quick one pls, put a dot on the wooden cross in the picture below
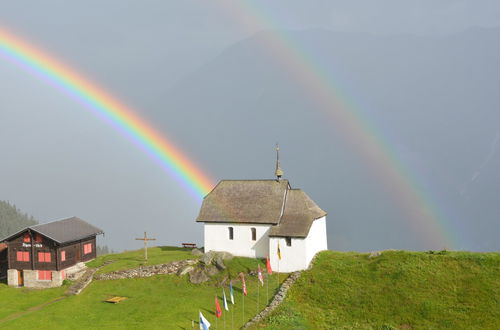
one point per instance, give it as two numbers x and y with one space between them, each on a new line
146 239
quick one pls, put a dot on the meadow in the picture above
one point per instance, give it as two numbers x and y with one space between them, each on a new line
158 302
397 290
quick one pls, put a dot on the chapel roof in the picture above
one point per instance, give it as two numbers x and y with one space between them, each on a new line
261 202
298 216
244 201
63 231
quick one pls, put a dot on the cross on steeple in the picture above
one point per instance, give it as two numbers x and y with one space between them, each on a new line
279 171
146 239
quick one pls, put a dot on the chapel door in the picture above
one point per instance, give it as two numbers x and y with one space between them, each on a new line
20 278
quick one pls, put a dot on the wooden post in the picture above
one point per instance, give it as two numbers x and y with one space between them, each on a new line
146 239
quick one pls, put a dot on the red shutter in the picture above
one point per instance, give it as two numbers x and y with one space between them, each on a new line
45 275
41 257
47 257
26 238
38 238
19 256
63 255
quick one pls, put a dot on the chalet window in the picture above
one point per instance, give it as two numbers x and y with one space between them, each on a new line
288 241
254 234
38 238
45 275
231 233
87 248
63 255
22 256
43 256
26 238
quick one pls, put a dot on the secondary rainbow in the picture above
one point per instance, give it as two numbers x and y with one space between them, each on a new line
110 109
422 215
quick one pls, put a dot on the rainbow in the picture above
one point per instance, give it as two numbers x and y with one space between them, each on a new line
156 145
421 214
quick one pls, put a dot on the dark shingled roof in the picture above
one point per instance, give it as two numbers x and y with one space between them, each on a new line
300 212
244 201
263 202
63 231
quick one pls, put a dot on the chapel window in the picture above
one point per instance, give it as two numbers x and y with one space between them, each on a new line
231 233
254 234
288 241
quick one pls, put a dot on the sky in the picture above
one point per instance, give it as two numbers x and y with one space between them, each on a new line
60 160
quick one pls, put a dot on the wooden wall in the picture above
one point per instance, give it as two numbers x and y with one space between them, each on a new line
74 253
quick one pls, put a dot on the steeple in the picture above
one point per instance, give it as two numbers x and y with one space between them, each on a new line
279 171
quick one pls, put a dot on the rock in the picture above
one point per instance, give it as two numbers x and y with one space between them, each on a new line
225 255
184 270
191 261
374 254
196 252
198 275
219 262
208 257
211 271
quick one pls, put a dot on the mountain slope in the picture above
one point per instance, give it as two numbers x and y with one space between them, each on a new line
404 290
12 219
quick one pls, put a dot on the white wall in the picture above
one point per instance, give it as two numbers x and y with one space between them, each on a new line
317 239
293 257
217 239
299 255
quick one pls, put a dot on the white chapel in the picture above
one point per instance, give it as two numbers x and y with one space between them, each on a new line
249 218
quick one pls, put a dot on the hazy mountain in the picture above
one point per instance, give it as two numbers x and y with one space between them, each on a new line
435 100
12 219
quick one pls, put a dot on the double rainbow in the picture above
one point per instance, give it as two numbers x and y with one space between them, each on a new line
117 114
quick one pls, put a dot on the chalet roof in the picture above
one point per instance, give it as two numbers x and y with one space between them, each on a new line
298 216
244 201
63 231
261 202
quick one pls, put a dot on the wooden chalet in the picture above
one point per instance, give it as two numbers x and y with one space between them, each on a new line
43 255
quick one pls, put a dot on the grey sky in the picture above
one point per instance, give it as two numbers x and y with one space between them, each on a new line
60 161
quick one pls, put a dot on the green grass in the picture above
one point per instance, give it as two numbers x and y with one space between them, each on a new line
417 290
158 302
15 300
134 259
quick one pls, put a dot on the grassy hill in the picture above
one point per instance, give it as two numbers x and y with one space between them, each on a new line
397 290
407 290
158 302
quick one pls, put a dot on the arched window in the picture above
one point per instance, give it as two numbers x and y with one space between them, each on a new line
288 241
254 234
231 233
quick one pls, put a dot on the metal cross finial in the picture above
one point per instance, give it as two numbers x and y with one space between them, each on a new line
279 171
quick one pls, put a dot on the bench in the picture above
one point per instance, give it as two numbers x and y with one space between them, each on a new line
189 245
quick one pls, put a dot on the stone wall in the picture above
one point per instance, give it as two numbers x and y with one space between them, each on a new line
31 279
277 300
146 271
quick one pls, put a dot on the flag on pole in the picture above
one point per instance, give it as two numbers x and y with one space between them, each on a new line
268 266
218 311
231 292
279 251
225 300
245 292
261 279
204 324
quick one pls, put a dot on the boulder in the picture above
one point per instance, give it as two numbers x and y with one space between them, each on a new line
196 252
211 271
219 262
184 270
374 254
208 257
198 275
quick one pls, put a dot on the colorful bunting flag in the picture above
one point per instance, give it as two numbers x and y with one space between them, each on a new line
225 300
245 292
218 311
231 292
268 266
261 279
204 324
